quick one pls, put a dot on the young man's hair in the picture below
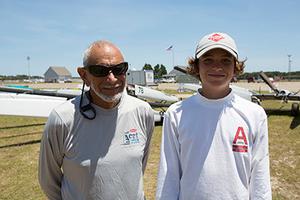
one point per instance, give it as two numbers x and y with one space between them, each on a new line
193 68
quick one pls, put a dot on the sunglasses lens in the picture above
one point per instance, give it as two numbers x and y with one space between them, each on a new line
120 69
102 71
99 71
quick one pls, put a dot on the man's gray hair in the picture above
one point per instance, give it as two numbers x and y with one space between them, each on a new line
87 52
103 45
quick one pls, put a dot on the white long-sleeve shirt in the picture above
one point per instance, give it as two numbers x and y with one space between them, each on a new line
214 149
103 158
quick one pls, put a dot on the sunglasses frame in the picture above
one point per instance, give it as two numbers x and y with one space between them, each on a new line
104 70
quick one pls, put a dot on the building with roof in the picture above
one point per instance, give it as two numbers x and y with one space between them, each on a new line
56 74
181 77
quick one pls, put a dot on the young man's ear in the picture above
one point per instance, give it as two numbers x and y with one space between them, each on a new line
83 75
236 70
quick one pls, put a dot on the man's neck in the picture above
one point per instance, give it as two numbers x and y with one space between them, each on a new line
214 94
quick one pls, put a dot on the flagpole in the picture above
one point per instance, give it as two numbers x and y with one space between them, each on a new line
172 57
28 64
172 51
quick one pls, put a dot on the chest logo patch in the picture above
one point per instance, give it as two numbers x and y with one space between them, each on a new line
240 143
131 137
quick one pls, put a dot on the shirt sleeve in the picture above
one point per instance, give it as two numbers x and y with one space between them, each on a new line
260 186
51 157
149 130
169 173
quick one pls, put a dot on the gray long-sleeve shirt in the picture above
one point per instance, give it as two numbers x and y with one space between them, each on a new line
102 158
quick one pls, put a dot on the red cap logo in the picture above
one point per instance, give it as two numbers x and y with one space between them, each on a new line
216 37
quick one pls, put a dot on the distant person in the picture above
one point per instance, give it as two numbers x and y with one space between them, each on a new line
96 145
215 143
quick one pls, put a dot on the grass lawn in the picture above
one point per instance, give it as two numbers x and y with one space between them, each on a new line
19 149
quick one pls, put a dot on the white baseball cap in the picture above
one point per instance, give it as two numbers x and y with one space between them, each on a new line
216 40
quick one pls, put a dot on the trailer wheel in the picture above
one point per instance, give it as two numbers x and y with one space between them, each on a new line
255 100
295 109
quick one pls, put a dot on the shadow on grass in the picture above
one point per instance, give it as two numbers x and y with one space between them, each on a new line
21 144
285 112
20 135
21 126
295 122
158 123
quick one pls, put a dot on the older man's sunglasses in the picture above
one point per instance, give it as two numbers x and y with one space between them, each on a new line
104 70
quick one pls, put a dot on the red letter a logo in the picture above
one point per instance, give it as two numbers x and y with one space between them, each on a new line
240 143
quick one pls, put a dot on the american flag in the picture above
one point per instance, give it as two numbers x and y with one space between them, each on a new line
170 48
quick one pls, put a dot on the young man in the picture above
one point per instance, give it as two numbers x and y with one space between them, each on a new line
214 144
96 145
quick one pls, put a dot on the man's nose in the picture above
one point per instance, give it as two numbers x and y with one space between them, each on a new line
111 76
216 65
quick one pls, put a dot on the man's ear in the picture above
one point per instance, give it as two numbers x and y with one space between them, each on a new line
83 75
235 69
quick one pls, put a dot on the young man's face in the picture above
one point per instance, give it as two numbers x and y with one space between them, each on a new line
216 69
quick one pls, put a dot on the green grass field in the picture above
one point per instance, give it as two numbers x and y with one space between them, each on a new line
20 140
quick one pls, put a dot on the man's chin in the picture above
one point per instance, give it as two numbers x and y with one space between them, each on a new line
107 98
110 99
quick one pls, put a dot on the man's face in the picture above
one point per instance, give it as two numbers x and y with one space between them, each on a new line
106 91
216 69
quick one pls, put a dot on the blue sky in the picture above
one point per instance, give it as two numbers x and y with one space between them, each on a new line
55 33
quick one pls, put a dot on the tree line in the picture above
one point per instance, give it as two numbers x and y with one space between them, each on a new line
274 74
158 70
18 77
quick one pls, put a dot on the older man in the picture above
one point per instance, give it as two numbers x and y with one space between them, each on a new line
95 146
